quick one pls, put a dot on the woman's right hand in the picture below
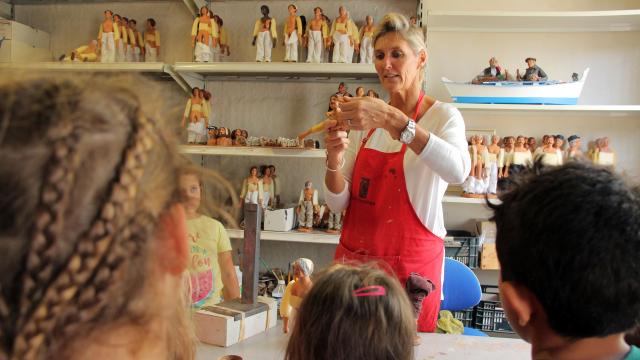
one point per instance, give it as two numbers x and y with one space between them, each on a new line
337 142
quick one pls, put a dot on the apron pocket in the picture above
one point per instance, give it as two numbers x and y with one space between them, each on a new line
391 264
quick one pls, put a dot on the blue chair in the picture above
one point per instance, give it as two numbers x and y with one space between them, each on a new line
461 290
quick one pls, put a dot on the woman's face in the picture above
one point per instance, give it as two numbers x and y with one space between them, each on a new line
511 141
190 192
342 11
254 172
397 66
520 141
360 92
204 11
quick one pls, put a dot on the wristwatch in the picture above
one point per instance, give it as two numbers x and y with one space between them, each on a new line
409 133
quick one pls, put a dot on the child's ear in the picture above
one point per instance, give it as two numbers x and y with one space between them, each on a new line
519 305
172 249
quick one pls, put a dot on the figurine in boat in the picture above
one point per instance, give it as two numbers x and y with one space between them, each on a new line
533 72
494 72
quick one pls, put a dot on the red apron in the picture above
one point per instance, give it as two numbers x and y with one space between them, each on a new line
381 226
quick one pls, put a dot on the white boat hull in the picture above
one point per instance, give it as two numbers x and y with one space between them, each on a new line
512 92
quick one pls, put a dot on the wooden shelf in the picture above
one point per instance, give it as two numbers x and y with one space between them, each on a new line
533 21
253 151
278 71
139 67
600 108
457 199
574 110
315 237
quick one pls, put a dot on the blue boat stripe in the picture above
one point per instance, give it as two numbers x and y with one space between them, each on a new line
515 100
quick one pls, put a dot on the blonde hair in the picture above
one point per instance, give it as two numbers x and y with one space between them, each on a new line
89 167
333 323
400 25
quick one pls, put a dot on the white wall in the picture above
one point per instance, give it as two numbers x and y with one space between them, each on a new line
527 5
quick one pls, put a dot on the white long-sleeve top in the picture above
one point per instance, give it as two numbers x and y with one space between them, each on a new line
445 159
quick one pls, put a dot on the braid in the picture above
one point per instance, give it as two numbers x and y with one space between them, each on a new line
54 199
4 315
58 100
97 259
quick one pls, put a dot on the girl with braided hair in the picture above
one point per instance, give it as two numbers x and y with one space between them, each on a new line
92 236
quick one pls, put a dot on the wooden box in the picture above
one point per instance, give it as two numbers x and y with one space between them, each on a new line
489 257
225 330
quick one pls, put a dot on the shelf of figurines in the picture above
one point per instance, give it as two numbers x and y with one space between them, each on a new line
138 67
533 21
230 71
314 237
594 109
292 152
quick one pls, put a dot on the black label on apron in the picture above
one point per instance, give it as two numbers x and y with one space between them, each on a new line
364 188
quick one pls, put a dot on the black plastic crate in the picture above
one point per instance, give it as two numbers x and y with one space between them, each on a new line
464 249
490 315
466 316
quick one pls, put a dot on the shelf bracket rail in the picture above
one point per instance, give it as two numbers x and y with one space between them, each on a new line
195 5
185 81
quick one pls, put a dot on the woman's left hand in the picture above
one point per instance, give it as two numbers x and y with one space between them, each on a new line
364 113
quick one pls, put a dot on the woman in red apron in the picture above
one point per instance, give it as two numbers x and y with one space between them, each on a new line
391 171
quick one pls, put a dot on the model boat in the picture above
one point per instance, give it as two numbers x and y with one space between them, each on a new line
549 92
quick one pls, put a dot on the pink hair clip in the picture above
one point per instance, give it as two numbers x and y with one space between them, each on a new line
372 290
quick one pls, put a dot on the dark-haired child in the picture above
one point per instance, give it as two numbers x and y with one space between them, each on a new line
568 241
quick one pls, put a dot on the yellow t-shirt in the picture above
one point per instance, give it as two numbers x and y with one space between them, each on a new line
207 238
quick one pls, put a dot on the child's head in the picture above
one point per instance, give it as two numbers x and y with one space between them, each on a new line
90 231
567 240
190 189
353 313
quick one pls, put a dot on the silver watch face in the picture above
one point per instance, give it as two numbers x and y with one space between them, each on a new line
409 133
